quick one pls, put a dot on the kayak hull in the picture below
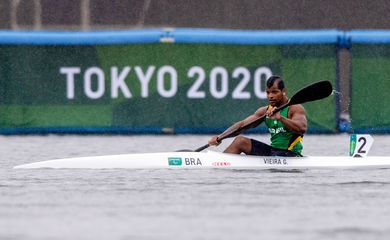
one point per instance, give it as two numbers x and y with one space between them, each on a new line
208 159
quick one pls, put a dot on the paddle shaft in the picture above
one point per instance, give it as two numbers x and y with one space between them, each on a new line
237 131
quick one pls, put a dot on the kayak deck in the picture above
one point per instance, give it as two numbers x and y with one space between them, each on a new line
209 159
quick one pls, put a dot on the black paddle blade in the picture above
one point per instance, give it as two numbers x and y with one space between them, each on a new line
313 92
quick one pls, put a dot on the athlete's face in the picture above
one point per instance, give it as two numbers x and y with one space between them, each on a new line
275 95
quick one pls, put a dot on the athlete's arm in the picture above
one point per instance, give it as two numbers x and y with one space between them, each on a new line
260 112
296 120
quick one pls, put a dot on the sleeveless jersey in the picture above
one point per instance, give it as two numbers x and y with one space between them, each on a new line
282 137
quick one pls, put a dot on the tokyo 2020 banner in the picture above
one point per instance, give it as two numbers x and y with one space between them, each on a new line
154 87
370 76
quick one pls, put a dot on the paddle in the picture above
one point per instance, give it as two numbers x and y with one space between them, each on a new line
313 92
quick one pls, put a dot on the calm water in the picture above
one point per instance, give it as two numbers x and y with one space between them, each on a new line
186 204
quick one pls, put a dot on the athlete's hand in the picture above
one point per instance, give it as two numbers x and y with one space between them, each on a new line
214 141
275 116
271 115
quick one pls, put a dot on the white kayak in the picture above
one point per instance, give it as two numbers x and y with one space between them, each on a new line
209 159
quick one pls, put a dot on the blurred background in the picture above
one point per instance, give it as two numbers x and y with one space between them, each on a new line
244 14
357 23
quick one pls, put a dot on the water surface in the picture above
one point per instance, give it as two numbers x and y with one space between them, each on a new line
186 204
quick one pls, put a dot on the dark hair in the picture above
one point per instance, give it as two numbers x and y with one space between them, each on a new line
271 80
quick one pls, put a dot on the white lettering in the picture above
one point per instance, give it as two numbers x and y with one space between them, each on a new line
118 82
262 71
123 81
70 72
194 91
219 73
277 130
88 82
239 92
171 91
144 79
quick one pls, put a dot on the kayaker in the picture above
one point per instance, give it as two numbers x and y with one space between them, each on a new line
286 127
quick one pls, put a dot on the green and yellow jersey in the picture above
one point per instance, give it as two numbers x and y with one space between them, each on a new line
282 137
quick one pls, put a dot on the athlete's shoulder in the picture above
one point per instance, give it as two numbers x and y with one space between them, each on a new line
296 108
261 111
